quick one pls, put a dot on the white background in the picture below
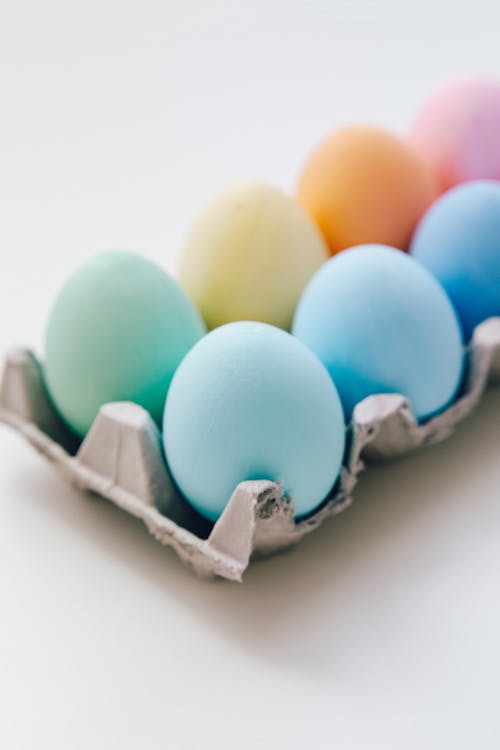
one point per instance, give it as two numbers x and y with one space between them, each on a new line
118 120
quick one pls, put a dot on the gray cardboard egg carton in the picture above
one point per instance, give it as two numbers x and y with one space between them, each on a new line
121 459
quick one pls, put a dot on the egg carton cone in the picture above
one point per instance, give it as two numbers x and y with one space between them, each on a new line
121 459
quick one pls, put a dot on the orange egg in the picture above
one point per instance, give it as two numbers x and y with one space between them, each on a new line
364 185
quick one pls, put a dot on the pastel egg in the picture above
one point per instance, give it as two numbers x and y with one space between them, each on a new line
249 256
381 323
365 185
458 241
117 331
249 401
458 132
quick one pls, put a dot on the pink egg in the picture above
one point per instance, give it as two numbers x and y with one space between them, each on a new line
458 132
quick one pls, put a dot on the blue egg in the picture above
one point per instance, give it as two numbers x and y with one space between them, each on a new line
249 401
381 323
458 240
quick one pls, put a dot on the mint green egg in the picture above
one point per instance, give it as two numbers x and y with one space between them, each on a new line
118 330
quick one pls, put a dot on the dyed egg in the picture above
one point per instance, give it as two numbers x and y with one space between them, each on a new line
458 241
365 185
118 330
249 256
249 401
381 323
458 132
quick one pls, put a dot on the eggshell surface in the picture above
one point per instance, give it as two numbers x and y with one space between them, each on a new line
365 185
458 241
117 332
249 401
458 132
381 323
249 256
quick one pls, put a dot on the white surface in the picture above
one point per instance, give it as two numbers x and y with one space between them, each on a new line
119 119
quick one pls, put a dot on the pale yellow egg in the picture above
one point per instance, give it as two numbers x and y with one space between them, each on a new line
249 256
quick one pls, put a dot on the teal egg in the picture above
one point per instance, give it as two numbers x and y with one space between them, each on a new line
381 323
117 332
251 402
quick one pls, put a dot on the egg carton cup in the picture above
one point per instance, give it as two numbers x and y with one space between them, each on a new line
121 459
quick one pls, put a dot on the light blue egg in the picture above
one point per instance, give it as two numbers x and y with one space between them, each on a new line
117 331
251 402
381 323
458 240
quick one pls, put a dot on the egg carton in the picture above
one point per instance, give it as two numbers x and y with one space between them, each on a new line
121 459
